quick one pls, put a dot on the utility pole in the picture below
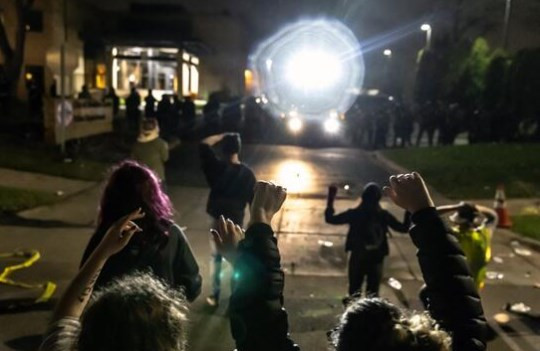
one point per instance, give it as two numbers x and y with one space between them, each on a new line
507 15
63 80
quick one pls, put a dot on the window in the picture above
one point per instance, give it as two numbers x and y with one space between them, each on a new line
34 21
190 74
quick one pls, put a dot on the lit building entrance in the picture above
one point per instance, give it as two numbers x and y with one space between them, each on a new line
156 69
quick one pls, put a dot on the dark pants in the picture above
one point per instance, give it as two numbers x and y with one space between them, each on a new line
215 265
369 268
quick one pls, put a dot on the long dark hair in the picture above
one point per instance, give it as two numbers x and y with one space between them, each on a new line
131 186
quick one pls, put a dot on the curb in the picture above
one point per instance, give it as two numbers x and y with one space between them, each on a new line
398 169
395 168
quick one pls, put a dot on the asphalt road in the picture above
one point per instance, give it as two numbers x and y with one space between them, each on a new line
312 251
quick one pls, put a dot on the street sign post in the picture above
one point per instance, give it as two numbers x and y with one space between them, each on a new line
62 61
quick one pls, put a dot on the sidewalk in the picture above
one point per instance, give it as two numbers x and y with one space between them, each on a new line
35 181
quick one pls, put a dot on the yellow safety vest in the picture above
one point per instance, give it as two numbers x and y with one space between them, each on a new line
476 244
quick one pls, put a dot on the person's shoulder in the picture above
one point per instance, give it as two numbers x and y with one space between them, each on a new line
247 168
176 230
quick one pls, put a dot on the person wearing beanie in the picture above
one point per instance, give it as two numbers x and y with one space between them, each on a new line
367 237
150 150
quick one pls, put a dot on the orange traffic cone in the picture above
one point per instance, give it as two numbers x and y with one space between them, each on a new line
500 208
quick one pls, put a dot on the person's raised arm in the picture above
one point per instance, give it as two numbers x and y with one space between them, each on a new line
330 216
258 319
209 159
78 292
444 209
451 293
395 224
213 139
491 216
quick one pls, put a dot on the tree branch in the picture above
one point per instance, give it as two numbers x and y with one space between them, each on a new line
5 47
20 35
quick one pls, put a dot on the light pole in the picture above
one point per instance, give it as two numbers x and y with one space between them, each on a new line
63 80
427 28
388 54
507 14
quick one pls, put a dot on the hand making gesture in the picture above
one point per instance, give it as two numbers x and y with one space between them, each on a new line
266 203
409 192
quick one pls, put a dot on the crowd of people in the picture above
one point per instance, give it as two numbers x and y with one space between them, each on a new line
170 112
145 273
392 124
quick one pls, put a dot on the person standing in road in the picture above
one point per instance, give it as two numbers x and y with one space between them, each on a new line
473 226
113 99
231 189
367 237
150 150
150 105
133 102
161 245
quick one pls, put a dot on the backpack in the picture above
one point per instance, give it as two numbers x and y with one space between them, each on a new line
374 234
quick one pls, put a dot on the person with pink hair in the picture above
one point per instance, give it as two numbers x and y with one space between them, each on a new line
161 247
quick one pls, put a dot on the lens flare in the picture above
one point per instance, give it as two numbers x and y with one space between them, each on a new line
312 70
312 67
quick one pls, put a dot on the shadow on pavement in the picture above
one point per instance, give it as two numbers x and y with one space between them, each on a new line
25 343
23 305
12 219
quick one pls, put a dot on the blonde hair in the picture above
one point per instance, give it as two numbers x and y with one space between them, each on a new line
373 324
135 313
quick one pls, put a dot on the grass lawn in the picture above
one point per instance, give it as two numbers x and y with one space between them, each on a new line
43 159
14 199
528 225
473 171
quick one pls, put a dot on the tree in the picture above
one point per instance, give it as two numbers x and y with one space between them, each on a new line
525 88
14 53
495 95
428 77
471 82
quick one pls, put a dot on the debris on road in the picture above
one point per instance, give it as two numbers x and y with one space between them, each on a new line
522 252
394 283
497 259
518 307
326 243
501 318
494 275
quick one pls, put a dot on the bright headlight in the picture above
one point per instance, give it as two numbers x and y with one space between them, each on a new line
295 125
331 126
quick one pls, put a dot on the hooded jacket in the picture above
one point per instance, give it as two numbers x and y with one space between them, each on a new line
368 225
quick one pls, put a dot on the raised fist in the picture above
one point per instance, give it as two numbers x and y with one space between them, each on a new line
409 192
267 202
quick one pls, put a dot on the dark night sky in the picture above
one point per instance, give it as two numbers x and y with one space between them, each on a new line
367 18
370 20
